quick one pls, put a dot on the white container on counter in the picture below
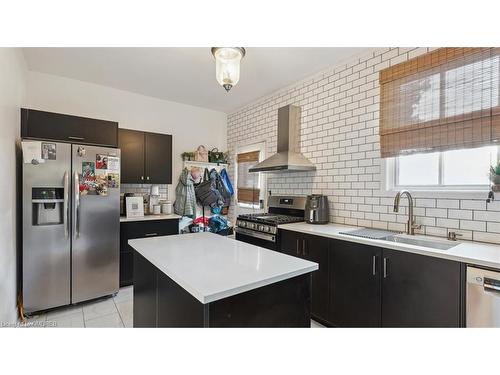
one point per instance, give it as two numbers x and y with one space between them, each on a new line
156 209
166 208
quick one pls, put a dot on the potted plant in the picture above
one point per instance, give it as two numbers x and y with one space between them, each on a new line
495 177
187 156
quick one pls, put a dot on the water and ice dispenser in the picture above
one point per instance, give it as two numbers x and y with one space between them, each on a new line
48 205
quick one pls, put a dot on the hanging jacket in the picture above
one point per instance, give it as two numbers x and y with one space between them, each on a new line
185 199
207 193
226 181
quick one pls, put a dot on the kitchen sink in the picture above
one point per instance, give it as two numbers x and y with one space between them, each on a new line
440 245
383 235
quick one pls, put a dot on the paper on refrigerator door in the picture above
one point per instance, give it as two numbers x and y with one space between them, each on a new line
113 164
32 152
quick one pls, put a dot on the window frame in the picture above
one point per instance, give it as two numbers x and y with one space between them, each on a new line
392 179
260 147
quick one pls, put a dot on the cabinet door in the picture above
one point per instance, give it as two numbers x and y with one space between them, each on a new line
140 229
316 249
131 143
355 292
67 128
291 243
158 158
126 268
420 291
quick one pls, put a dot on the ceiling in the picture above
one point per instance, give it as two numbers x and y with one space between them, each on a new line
186 75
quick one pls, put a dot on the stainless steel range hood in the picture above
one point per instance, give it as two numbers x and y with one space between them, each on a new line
288 158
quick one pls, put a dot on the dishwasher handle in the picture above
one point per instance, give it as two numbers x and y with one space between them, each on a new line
491 284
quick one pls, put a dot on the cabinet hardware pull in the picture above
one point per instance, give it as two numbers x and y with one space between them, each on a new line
374 269
304 247
142 178
385 268
66 205
297 247
76 138
147 178
151 234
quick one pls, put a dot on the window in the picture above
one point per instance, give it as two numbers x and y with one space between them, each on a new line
248 184
447 99
457 169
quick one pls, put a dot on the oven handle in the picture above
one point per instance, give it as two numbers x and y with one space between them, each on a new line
251 233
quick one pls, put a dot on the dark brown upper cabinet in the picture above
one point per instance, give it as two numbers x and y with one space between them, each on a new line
66 128
146 157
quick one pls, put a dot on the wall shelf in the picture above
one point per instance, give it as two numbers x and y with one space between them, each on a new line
201 164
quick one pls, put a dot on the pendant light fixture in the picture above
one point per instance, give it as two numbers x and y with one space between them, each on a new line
227 65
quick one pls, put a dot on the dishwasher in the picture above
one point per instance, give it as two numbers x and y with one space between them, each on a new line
483 298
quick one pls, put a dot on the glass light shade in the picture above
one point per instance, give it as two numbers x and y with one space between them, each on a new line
227 65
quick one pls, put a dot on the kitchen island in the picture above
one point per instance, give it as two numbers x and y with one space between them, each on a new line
206 280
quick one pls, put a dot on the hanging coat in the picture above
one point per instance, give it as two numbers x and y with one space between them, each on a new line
226 181
185 200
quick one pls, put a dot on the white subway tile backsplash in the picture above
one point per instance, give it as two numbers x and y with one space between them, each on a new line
486 237
447 223
421 202
460 214
436 212
473 225
340 134
487 215
448 203
473 204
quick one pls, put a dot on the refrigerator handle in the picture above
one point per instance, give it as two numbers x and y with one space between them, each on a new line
77 205
66 205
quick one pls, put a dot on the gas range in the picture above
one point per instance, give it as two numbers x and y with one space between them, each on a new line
262 228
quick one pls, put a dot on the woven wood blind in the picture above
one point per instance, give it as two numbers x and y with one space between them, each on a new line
248 157
248 190
445 99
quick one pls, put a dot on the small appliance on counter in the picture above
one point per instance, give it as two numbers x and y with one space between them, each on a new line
123 202
317 211
154 200
166 207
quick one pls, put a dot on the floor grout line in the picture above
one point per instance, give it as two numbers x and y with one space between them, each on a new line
119 314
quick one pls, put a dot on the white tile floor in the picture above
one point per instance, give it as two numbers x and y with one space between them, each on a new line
112 312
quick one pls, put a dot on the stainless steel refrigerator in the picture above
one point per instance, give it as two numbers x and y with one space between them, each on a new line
70 224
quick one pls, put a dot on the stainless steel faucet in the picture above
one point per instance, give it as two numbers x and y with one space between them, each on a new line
410 226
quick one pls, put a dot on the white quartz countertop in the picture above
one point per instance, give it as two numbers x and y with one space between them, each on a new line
211 267
477 253
124 219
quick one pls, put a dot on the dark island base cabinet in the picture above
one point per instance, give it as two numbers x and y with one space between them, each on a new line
160 302
365 286
140 229
146 157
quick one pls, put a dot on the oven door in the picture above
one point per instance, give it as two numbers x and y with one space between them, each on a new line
265 240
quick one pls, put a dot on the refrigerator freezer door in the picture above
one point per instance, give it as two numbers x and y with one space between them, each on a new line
46 241
96 226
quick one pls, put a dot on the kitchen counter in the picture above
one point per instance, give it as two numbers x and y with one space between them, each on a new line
124 219
211 267
207 280
480 254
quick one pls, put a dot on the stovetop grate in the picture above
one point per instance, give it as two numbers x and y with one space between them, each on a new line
271 218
